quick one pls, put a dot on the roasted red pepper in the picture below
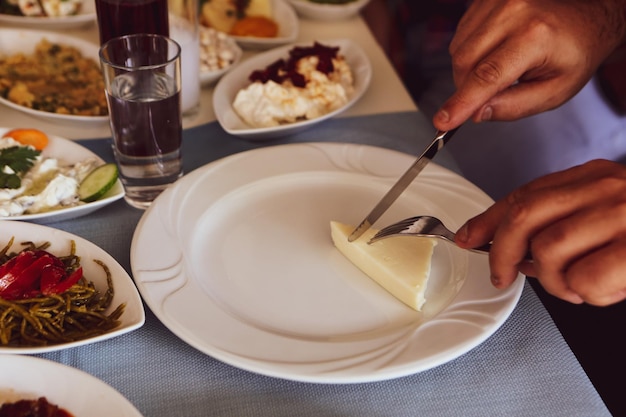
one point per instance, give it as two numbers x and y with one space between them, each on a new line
33 273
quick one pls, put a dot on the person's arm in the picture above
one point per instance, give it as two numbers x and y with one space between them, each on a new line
515 58
573 222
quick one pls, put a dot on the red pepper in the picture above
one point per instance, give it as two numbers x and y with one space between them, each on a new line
54 280
32 273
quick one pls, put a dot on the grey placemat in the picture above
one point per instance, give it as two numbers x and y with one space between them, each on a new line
524 369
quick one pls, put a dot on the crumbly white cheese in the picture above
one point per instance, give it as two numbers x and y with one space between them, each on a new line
48 185
399 265
272 104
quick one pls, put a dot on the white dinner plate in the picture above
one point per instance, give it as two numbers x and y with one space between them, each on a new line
13 41
328 11
69 152
237 260
85 16
77 392
237 79
133 316
288 27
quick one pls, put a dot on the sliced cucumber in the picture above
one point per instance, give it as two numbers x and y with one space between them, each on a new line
98 182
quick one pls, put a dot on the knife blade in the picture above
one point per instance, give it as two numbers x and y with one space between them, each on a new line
441 138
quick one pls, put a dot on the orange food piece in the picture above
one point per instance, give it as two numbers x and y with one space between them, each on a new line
258 26
33 137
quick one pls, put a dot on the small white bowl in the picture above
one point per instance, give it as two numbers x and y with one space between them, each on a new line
208 77
327 11
288 27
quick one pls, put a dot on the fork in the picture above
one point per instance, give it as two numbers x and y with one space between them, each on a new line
425 226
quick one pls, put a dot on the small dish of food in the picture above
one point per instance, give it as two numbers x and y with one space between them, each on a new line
48 14
259 99
52 76
218 53
257 24
328 9
32 379
64 270
48 188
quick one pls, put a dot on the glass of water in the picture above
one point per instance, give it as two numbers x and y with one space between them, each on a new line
143 89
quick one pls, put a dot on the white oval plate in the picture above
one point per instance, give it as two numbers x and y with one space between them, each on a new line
228 87
236 259
209 77
79 393
69 152
86 16
13 41
288 27
330 12
60 241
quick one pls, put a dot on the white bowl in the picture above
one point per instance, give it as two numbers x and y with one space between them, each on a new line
69 152
86 16
228 87
76 391
288 27
125 291
13 41
323 11
209 77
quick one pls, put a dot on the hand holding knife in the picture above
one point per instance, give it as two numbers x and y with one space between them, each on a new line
441 138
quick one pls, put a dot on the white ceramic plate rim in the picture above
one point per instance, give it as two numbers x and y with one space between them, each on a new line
86 15
125 290
81 394
168 285
288 28
328 11
69 152
13 41
231 83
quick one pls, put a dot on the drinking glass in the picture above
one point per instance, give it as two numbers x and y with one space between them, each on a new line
143 85
124 17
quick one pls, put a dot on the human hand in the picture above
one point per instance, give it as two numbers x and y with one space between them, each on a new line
573 222
515 58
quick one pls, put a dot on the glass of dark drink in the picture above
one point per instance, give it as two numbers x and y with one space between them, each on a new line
125 17
143 85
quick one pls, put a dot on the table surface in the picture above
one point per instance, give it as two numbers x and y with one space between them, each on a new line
525 368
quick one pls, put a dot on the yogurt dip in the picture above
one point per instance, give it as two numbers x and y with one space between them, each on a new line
48 185
312 82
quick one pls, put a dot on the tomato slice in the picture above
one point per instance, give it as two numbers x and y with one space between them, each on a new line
33 137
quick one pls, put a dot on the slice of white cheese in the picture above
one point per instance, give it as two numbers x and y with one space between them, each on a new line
400 265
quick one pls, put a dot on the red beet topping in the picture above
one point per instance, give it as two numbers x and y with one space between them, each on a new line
283 70
32 408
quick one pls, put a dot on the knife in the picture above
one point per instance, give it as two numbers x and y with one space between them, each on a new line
441 138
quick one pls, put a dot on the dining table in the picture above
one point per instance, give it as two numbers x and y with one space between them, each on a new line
524 368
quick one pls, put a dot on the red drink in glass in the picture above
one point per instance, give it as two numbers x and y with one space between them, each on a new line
125 17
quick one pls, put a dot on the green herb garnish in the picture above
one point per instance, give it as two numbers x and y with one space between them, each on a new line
19 159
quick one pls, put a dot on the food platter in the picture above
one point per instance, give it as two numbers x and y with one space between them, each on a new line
86 16
328 11
236 259
60 241
288 28
227 88
79 393
13 41
69 152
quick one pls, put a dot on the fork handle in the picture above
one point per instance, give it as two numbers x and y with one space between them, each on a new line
486 248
